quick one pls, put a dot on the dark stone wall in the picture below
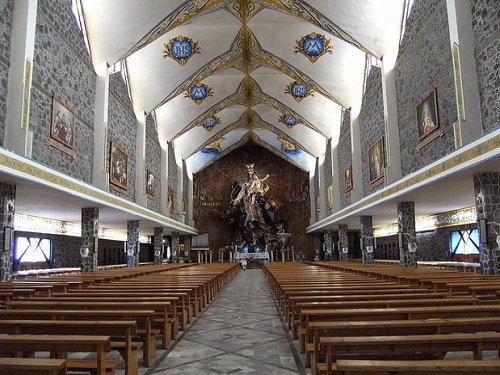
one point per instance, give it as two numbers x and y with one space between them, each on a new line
289 187
423 63
153 162
317 202
371 122
431 246
344 156
185 187
486 27
6 7
327 174
62 67
122 129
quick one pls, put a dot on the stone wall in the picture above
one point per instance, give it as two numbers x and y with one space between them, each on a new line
122 130
185 187
316 200
289 187
371 122
6 7
62 68
327 174
431 245
486 27
344 156
153 163
424 62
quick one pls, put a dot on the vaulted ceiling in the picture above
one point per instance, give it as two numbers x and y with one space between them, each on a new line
218 74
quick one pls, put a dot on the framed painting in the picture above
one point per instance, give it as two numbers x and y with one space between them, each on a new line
427 115
376 160
118 166
150 183
348 179
330 197
171 200
62 125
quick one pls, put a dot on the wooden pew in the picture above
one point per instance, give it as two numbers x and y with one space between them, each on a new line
32 366
437 344
422 367
143 319
60 345
392 327
121 333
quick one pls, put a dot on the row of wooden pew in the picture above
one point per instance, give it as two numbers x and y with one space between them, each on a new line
122 309
376 319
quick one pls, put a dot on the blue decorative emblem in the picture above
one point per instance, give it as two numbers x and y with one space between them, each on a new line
287 146
198 93
288 120
210 122
313 46
298 90
180 49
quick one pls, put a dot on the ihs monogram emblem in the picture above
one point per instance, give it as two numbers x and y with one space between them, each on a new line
180 49
298 90
313 46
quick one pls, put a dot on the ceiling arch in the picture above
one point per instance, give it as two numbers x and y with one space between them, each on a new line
221 73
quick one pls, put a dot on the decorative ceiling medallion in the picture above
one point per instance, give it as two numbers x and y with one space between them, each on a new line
180 49
210 122
298 90
286 146
198 93
213 147
313 46
288 120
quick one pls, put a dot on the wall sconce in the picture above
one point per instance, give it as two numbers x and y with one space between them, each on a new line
344 250
369 249
412 247
400 240
483 231
84 251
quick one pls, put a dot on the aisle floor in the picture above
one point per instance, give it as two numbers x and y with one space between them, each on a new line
239 333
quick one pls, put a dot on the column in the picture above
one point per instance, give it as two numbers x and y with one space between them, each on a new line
18 137
344 243
7 211
90 239
133 245
175 247
487 191
465 74
140 158
328 242
407 237
367 246
187 248
158 245
199 256
100 178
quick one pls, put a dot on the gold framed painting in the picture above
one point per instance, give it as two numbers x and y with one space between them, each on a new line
348 179
150 183
118 166
376 161
427 115
171 200
62 125
330 197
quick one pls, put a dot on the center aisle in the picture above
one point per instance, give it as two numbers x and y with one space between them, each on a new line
240 333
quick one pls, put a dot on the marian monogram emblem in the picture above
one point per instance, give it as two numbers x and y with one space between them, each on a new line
298 90
313 46
210 122
198 93
180 49
288 120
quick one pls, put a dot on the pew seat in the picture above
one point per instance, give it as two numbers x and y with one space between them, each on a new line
32 366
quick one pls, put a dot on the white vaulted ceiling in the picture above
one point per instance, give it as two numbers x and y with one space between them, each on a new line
247 54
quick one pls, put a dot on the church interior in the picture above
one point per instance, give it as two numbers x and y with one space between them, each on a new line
241 186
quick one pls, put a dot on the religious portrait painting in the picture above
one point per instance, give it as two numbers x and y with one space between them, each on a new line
150 183
171 200
118 166
62 127
348 179
330 197
376 161
427 115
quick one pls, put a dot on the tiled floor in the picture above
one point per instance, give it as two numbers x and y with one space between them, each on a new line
239 333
